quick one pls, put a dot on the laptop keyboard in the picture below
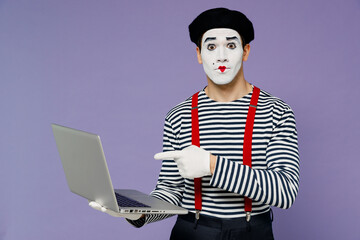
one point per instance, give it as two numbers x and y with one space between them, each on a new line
127 202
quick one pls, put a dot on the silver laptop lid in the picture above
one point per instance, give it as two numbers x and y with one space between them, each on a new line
84 164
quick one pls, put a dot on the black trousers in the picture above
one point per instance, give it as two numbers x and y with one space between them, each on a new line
209 228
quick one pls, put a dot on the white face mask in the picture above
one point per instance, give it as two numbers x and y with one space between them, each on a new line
221 54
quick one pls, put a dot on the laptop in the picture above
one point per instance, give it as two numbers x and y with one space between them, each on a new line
87 175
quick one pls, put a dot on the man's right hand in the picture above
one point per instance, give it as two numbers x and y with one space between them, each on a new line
131 216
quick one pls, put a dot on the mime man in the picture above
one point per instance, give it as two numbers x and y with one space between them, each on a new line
230 151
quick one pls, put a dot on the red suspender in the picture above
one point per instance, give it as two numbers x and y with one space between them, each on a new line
248 141
195 140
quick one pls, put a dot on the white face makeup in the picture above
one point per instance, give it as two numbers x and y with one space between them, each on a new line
221 54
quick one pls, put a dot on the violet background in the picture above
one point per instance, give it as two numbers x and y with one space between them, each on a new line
117 67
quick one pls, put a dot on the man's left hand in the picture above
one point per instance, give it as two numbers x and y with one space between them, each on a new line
193 162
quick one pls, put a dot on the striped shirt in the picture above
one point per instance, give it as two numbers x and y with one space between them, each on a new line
273 179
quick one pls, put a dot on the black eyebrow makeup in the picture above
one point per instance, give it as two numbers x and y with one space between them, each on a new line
209 39
232 38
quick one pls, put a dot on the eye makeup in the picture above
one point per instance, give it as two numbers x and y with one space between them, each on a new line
212 46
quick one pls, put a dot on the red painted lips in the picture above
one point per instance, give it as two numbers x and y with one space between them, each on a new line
222 68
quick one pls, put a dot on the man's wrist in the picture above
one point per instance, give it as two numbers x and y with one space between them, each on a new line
213 160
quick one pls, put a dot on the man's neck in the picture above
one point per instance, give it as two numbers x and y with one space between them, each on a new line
236 89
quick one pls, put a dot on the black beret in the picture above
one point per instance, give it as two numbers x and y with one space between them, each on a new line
221 18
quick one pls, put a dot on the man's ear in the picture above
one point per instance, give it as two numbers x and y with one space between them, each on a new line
246 52
198 55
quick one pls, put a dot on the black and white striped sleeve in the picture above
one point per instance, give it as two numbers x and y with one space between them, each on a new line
278 184
170 184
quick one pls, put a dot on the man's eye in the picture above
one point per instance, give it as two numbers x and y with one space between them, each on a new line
231 45
211 47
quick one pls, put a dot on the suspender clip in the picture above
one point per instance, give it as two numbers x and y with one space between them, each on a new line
197 215
248 216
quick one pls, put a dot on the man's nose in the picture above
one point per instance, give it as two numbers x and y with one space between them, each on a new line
222 56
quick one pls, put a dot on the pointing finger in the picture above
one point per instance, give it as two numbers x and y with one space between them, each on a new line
171 155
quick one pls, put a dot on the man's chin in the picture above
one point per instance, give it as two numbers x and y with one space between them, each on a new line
222 82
